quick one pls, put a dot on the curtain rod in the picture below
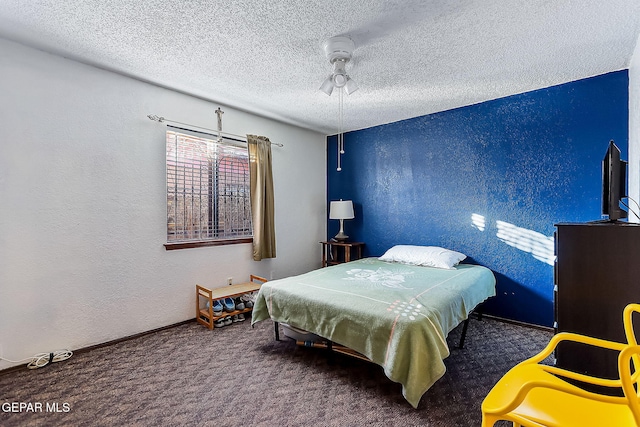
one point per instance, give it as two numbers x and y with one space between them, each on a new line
162 120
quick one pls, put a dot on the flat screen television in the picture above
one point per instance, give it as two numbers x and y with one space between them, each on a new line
614 183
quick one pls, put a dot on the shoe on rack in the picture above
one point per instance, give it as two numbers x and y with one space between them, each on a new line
227 321
239 304
217 308
234 318
219 323
248 300
229 305
249 297
240 317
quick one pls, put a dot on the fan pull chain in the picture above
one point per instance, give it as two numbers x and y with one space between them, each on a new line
340 130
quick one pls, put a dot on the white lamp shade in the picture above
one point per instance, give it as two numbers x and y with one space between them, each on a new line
342 209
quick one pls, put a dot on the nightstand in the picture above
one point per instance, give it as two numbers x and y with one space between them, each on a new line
339 252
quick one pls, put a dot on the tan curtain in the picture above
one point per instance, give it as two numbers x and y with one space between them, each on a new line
262 207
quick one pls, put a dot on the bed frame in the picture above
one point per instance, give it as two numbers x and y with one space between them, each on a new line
330 345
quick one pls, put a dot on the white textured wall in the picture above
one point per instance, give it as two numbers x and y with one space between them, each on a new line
634 129
82 205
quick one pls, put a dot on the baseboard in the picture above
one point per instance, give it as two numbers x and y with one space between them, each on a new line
132 337
106 344
519 323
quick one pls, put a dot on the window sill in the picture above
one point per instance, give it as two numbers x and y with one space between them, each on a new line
188 245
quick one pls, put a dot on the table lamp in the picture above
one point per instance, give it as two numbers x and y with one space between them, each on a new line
341 210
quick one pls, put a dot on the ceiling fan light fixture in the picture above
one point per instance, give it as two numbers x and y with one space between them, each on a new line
327 85
339 73
350 86
339 80
339 50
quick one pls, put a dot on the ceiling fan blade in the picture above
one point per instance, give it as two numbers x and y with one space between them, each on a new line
397 16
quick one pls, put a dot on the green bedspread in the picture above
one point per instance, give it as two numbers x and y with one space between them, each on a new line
396 315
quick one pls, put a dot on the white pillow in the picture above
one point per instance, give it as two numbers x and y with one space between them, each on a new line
430 256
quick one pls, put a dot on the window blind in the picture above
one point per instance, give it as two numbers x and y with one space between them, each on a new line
207 189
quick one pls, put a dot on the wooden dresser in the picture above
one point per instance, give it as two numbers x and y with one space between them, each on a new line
597 273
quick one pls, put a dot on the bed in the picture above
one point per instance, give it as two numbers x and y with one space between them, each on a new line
396 315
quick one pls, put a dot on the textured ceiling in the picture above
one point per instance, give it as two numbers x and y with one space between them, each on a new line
412 57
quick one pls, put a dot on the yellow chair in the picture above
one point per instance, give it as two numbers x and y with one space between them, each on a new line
532 394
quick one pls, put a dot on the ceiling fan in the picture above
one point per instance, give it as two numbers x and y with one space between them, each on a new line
338 51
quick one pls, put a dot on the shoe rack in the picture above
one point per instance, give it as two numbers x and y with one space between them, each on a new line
205 316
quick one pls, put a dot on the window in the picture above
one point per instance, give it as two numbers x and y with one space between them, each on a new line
207 191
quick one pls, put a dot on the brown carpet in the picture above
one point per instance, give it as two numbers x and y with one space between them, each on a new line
238 375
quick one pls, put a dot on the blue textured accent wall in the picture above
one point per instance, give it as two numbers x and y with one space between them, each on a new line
489 180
